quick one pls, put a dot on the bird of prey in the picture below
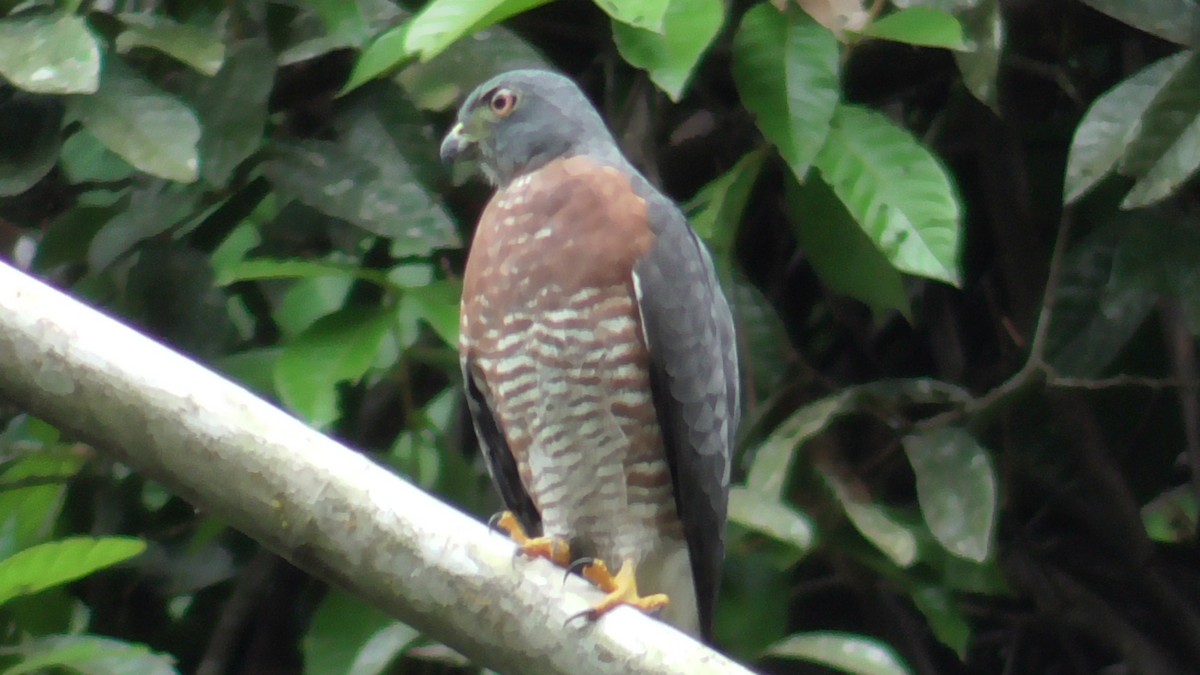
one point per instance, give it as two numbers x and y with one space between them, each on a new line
597 352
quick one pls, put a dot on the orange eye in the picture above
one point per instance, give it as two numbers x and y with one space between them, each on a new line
502 102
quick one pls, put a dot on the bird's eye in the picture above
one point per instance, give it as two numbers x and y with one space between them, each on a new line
502 102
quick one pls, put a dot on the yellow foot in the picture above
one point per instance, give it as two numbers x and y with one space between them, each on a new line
622 590
553 549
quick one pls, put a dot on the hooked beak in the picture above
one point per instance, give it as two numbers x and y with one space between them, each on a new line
454 145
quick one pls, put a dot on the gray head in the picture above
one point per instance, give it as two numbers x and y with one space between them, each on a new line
518 121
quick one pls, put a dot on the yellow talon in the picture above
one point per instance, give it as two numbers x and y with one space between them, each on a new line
554 549
622 590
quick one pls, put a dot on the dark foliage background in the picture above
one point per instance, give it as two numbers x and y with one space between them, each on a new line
960 237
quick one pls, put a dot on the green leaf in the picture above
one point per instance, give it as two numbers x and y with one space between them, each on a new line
1174 108
269 268
196 47
309 299
58 562
151 129
766 514
647 14
786 69
1094 318
28 514
152 211
670 56
441 22
233 108
89 654
443 81
843 651
84 158
949 625
841 253
1110 124
716 210
897 190
253 369
339 347
49 54
956 488
763 338
919 26
344 21
984 28
1177 163
349 637
437 305
1171 517
384 53
1174 20
341 182
29 141
773 459
895 540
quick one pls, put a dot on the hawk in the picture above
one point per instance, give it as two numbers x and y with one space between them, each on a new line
597 353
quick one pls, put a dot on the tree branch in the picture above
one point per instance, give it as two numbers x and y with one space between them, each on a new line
326 508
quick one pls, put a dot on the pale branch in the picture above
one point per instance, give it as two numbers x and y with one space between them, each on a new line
322 506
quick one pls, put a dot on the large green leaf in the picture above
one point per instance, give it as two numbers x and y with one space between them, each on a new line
356 187
1176 164
28 514
785 67
919 26
1174 20
849 653
670 56
151 212
58 562
956 488
766 514
148 127
1174 107
89 654
716 210
344 21
1110 123
349 637
437 305
84 158
49 54
840 252
270 268
30 140
896 189
339 347
233 107
200 48
647 14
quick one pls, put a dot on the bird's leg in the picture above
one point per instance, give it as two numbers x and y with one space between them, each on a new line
554 549
621 589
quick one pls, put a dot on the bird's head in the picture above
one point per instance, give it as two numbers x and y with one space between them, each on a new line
518 121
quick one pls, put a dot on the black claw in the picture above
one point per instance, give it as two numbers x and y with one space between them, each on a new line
589 614
577 566
494 522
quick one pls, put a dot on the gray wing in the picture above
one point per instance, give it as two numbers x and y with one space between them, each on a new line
694 376
501 464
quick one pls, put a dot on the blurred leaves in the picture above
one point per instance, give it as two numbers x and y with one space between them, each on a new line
49 54
53 563
919 26
956 487
848 653
199 48
145 125
90 654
